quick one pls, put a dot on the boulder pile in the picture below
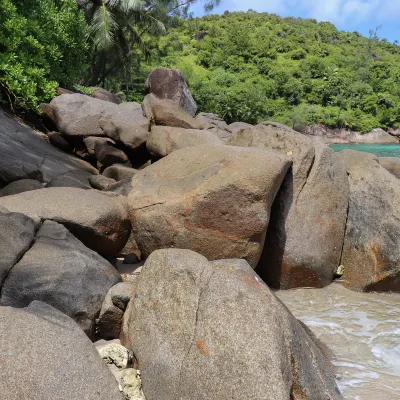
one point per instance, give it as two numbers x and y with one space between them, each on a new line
149 225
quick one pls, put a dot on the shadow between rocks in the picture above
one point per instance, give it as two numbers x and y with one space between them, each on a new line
271 263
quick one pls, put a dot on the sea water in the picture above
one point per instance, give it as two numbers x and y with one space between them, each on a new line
380 150
362 330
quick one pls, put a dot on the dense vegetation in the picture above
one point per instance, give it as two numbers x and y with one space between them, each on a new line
252 67
243 66
42 45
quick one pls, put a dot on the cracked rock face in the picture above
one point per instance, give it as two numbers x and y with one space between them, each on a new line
17 232
212 199
25 155
45 355
305 235
371 251
99 220
213 330
59 270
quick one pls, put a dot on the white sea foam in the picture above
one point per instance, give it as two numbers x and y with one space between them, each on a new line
362 330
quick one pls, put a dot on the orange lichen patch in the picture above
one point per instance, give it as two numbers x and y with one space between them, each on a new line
250 280
175 326
194 227
154 304
298 277
124 278
201 345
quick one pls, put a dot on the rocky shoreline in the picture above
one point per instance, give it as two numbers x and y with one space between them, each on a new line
342 136
166 230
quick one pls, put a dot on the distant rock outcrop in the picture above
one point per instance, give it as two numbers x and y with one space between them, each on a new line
166 83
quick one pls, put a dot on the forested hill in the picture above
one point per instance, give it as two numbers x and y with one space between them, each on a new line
252 67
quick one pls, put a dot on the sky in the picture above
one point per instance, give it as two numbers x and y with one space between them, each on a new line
347 15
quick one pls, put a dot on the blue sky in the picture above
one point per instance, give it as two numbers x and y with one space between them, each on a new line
348 15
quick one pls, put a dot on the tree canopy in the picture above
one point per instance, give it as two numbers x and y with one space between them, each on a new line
42 45
252 67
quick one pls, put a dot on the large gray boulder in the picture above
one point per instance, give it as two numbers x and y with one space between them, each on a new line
392 164
79 115
59 270
305 235
98 219
202 330
166 112
26 155
371 251
16 236
215 200
46 356
163 140
23 185
128 126
168 83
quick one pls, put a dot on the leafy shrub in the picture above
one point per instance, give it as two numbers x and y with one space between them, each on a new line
42 45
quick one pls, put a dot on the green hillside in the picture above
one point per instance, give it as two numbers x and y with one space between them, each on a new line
251 67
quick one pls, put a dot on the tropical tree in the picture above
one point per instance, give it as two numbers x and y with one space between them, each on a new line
122 32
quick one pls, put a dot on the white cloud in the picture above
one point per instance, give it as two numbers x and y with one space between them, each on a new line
336 11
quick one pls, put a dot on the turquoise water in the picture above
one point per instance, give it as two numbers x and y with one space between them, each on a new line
381 150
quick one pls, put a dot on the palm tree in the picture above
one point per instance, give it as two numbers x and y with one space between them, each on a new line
117 28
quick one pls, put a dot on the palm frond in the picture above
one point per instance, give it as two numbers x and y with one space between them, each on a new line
103 25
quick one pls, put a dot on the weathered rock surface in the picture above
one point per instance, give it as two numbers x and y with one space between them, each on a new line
121 294
46 356
23 185
212 199
215 124
108 155
235 127
105 95
305 234
101 182
163 140
112 310
58 141
59 270
26 155
371 252
110 320
122 187
74 179
167 113
202 330
90 142
98 219
119 172
80 115
128 126
16 235
392 164
168 83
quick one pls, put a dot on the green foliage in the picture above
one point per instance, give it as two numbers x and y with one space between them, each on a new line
42 45
252 67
